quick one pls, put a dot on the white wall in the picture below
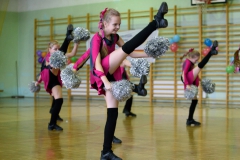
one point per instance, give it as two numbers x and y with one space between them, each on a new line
32 5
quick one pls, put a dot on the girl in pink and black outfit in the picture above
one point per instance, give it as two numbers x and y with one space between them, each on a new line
53 83
190 75
63 48
105 64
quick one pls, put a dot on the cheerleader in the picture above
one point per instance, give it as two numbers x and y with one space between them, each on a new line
105 64
63 48
53 84
190 75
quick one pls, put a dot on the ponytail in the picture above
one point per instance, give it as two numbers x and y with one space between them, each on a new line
100 23
185 54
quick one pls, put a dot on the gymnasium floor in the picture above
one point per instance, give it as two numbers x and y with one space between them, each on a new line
158 132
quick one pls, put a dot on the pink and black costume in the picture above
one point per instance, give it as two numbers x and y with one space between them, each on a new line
96 82
49 79
118 74
95 76
187 68
82 60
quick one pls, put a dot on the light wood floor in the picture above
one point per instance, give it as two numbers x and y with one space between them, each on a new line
158 132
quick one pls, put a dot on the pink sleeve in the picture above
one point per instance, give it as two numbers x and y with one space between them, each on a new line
80 62
95 47
47 57
39 79
186 67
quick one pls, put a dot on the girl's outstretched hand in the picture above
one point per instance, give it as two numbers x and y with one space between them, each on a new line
36 83
74 70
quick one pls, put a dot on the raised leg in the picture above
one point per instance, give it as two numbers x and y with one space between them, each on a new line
117 57
67 40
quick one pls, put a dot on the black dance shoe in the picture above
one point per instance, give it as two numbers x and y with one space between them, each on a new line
59 118
69 32
213 49
54 127
116 140
109 156
139 89
159 17
192 121
128 113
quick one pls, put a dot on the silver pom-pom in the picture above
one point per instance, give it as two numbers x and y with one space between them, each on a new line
121 90
140 66
191 93
34 88
208 86
69 78
80 34
157 47
58 59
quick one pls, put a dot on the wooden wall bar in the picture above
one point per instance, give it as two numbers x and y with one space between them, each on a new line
164 82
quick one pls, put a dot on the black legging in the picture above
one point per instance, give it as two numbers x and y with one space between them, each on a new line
192 109
112 115
55 111
138 39
64 46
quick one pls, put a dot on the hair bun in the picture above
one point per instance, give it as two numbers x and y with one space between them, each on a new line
102 13
191 49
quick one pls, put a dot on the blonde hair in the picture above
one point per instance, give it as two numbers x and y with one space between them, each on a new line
106 16
51 44
103 51
191 54
109 13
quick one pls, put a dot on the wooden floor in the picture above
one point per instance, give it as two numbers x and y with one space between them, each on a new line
158 132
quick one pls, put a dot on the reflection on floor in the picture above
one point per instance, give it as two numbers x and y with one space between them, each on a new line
158 132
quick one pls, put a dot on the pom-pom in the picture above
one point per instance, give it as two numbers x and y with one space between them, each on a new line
34 88
58 59
69 78
80 34
157 47
191 92
140 66
208 86
121 90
